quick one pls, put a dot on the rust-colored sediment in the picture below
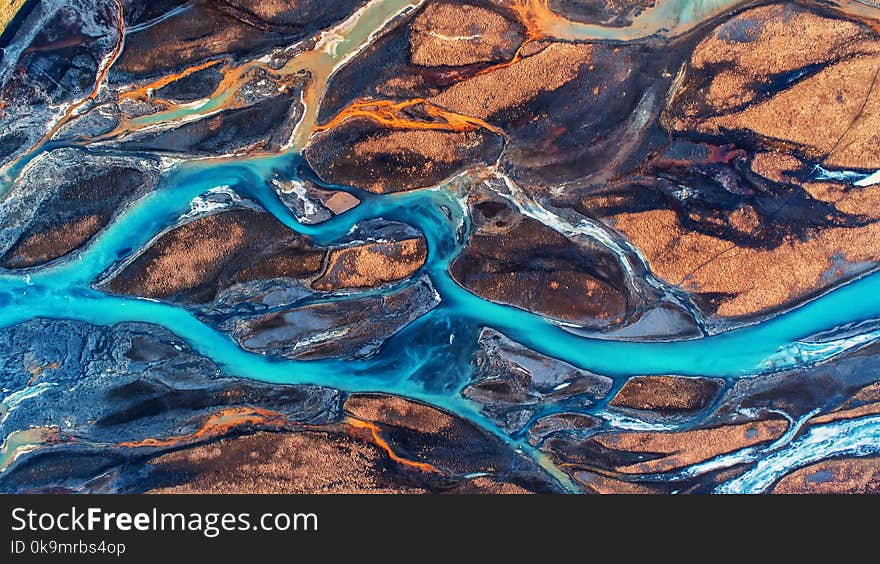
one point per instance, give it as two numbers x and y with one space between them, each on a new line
375 435
146 91
103 71
390 114
537 17
35 369
217 425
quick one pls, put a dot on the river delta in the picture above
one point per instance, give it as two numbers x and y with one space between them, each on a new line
482 246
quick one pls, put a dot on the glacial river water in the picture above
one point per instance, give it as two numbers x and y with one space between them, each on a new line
422 361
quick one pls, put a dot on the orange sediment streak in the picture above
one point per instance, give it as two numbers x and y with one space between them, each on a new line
388 114
147 90
230 418
99 80
233 79
105 70
36 370
537 17
383 444
517 57
217 425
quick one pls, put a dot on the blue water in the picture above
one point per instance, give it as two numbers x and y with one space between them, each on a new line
429 359
64 291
